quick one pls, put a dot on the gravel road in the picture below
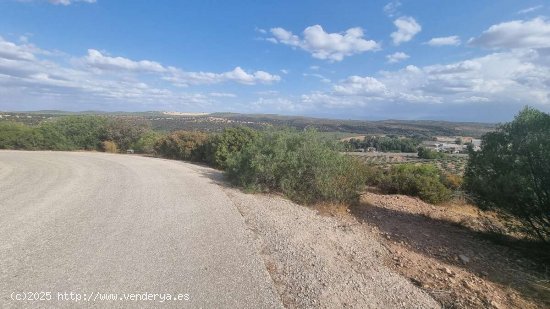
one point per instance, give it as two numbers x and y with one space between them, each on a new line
98 224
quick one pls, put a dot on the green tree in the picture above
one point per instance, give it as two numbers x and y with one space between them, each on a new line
230 141
512 171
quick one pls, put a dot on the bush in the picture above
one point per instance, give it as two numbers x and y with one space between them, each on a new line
78 132
511 173
146 143
182 145
422 180
426 153
230 141
109 146
15 136
301 165
125 131
452 181
81 132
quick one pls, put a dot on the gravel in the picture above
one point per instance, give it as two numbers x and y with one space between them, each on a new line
319 262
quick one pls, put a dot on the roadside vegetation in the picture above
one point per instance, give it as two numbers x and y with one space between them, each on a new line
301 165
421 180
511 174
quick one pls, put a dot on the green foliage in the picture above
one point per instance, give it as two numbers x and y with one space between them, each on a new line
146 143
182 145
19 136
512 171
384 144
426 153
230 141
422 180
303 166
81 132
75 132
126 131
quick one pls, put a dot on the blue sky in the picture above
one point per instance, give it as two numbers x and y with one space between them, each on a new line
431 59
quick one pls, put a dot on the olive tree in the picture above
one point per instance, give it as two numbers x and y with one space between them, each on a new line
511 173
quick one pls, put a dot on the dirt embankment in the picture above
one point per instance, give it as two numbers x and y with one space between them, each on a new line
324 262
446 251
388 252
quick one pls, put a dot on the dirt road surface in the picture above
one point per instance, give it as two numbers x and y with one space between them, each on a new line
99 225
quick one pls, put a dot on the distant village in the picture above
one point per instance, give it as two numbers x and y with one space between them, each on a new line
456 144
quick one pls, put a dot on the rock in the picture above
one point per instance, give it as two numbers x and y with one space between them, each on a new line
464 259
446 270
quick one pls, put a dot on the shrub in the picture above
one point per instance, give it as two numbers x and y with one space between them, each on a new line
301 165
452 181
182 145
52 139
125 131
109 146
146 143
426 153
422 180
230 141
511 173
15 136
81 132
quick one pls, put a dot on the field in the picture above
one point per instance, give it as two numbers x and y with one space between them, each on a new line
453 163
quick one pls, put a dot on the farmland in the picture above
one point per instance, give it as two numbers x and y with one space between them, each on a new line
452 163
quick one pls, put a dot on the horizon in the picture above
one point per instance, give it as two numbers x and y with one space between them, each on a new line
246 114
382 60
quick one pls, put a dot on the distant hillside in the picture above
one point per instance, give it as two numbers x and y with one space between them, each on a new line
424 128
218 121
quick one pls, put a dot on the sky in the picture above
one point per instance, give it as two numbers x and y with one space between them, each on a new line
465 60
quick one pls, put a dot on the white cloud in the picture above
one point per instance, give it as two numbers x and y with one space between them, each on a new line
397 57
222 95
326 46
11 51
319 76
184 79
69 2
445 41
357 85
96 59
530 9
517 77
101 63
407 28
50 80
391 9
534 33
